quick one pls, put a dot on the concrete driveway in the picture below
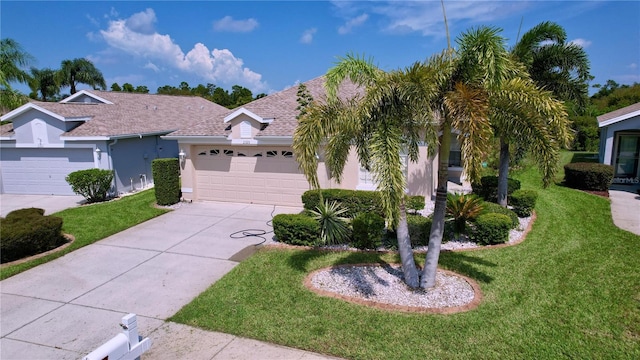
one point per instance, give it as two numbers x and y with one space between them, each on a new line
66 308
50 203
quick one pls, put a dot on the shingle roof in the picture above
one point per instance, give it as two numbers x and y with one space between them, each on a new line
619 112
133 113
280 106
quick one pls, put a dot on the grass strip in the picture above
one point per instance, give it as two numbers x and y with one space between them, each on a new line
90 223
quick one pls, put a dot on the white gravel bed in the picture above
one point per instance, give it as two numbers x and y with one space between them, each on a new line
384 284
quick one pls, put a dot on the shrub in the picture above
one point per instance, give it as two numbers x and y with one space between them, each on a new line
415 203
419 229
523 202
25 235
461 209
490 229
487 188
334 229
368 229
296 229
493 208
588 176
355 201
166 179
92 184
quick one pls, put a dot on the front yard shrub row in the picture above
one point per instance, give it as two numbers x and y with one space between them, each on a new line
166 179
368 230
490 229
487 188
588 176
356 201
493 208
27 232
296 229
523 202
92 184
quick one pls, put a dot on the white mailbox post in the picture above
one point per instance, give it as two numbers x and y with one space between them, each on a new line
124 346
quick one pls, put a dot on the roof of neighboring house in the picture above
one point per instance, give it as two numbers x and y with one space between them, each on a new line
619 115
132 113
280 106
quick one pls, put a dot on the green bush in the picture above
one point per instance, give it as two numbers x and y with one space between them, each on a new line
588 176
493 208
461 209
415 203
368 229
92 184
523 202
490 229
26 232
166 179
355 201
334 228
296 229
487 188
419 229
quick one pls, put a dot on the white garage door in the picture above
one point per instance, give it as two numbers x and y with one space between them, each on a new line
258 175
41 171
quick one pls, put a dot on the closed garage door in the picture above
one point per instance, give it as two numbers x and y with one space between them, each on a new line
41 171
261 175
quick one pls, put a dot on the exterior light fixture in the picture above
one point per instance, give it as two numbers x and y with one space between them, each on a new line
98 153
182 156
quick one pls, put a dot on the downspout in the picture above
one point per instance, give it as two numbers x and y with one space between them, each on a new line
115 182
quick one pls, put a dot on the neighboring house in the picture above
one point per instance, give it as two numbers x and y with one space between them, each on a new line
93 129
620 143
245 155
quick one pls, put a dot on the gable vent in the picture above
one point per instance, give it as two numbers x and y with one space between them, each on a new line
245 129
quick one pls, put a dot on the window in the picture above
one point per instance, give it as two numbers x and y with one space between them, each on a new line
214 152
365 178
272 153
287 154
627 159
455 156
228 152
203 153
239 154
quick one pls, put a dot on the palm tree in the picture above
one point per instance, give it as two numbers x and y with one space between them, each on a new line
80 70
44 81
553 65
13 60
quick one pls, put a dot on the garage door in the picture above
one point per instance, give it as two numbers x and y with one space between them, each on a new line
41 171
258 175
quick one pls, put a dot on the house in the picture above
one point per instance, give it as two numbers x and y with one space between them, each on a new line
93 129
620 143
245 155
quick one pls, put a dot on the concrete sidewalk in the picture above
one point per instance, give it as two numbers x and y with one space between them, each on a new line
625 210
66 308
50 203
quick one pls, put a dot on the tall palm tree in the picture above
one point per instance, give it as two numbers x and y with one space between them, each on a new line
80 70
13 61
45 82
553 65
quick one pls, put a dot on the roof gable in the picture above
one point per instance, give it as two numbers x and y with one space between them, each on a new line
243 111
613 117
84 93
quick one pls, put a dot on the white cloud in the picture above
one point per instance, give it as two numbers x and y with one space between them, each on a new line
633 66
218 66
151 66
352 23
581 42
142 22
227 23
307 36
93 20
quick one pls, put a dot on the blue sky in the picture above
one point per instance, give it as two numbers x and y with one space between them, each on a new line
268 46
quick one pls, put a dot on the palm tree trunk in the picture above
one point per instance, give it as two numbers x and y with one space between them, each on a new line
503 172
437 228
404 248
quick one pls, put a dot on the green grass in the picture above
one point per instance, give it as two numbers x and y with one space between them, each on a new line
91 223
571 290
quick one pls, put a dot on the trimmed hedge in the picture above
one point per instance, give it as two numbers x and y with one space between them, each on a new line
27 232
523 202
419 229
493 208
368 230
588 176
296 229
490 229
356 201
92 184
487 188
166 179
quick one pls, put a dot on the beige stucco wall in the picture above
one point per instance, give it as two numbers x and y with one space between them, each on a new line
235 126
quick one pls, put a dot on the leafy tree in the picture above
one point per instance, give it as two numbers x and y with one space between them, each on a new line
126 87
240 95
221 97
141 89
45 82
115 87
13 61
80 71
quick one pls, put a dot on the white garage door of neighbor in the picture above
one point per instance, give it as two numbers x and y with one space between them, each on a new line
260 175
41 171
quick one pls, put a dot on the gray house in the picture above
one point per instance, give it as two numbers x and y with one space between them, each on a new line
620 143
93 129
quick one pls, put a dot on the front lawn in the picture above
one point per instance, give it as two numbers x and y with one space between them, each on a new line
91 223
570 290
